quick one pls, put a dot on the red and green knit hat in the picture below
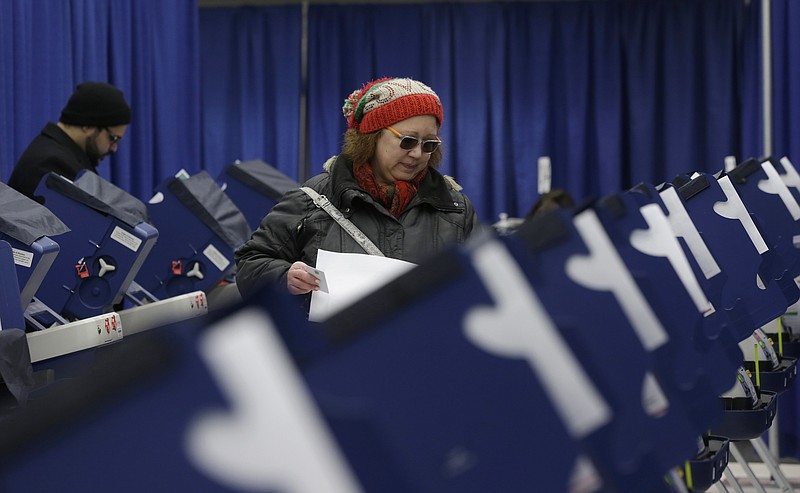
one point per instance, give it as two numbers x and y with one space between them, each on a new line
386 101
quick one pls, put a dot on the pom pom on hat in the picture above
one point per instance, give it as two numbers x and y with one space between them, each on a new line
386 101
96 104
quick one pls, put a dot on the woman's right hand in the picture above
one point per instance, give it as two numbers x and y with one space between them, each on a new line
299 281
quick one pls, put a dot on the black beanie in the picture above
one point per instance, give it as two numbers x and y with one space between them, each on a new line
96 104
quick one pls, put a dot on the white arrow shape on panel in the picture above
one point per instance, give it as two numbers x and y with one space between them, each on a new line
273 436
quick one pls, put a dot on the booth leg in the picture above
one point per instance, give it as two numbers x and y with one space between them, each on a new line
737 488
750 474
772 464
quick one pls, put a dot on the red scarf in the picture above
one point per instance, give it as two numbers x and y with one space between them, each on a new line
394 197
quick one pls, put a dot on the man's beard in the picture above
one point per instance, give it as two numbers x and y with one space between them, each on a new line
95 156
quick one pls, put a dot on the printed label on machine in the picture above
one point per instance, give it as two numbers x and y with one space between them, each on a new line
126 239
216 257
21 257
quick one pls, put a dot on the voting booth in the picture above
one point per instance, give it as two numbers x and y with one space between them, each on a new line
785 331
547 277
756 287
16 372
745 217
255 187
166 406
445 376
785 327
440 407
586 351
10 309
145 313
200 228
80 293
718 325
695 367
776 214
594 301
30 229
107 243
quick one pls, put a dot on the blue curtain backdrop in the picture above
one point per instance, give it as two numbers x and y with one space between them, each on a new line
615 93
147 48
785 69
251 86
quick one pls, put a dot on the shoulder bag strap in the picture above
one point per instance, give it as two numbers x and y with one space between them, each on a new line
323 203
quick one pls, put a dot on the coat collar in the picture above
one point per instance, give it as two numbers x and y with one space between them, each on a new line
53 131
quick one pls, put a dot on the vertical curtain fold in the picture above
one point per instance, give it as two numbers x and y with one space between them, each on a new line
786 73
615 92
251 86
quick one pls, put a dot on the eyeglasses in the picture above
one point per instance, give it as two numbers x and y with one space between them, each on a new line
111 137
408 142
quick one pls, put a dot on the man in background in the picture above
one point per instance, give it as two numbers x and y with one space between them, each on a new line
90 127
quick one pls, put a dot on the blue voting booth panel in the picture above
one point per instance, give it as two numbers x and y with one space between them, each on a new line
28 227
719 327
436 382
572 278
16 374
98 257
117 424
695 367
33 262
10 307
776 213
737 255
191 409
717 335
789 403
255 187
199 230
164 411
415 375
735 320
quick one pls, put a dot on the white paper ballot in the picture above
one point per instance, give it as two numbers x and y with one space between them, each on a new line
351 276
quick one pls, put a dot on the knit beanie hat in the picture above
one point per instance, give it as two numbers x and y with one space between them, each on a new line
96 104
386 101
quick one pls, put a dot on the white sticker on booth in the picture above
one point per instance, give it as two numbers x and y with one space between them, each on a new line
216 257
21 257
126 239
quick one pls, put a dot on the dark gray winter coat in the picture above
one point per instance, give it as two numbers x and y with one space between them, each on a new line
439 215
